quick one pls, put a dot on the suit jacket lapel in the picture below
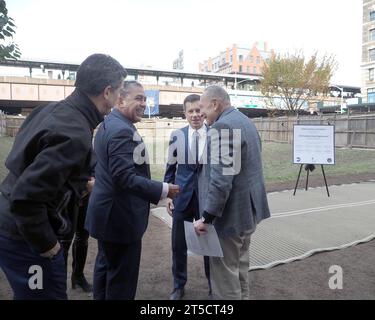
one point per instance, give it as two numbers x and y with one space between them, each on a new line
204 153
188 154
139 141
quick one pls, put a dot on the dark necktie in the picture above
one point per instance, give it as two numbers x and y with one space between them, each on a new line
196 146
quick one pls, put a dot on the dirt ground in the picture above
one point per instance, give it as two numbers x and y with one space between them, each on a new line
306 279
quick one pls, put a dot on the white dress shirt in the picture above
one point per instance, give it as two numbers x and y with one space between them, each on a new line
202 144
202 139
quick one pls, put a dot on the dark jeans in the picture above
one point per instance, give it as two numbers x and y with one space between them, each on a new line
20 263
179 248
80 244
116 271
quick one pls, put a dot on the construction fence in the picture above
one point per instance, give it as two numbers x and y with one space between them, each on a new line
159 129
3 124
351 131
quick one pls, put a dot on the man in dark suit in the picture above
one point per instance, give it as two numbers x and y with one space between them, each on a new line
119 205
185 151
232 192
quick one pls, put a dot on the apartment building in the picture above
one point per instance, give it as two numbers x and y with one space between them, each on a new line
238 59
368 51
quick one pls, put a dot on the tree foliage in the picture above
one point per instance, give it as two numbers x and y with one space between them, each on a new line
296 80
8 49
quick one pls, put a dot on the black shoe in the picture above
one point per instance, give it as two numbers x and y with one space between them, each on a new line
177 294
210 296
81 282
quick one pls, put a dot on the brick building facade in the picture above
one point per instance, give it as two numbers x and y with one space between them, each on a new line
238 60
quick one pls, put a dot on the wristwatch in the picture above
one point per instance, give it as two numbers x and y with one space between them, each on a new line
204 220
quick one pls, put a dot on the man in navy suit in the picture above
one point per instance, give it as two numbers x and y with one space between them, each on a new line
186 149
119 205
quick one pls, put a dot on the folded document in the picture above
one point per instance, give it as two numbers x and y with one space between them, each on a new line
205 245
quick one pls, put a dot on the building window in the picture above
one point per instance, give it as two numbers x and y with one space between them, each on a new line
240 58
231 59
240 69
258 60
372 55
255 70
251 59
372 35
371 95
248 69
372 15
371 74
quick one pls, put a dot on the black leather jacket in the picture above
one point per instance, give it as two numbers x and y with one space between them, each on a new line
48 165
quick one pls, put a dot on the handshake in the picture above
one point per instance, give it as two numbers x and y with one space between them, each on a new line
174 190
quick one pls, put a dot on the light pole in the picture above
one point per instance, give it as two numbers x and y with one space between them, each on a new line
342 96
235 87
237 83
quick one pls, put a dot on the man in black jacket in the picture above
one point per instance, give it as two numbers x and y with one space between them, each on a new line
48 165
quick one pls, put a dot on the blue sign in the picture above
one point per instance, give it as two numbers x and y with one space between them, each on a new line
152 108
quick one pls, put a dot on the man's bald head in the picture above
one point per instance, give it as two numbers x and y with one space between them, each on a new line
214 101
217 93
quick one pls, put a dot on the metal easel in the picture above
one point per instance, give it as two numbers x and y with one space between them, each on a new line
308 168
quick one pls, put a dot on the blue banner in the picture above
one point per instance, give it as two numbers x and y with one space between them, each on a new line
152 108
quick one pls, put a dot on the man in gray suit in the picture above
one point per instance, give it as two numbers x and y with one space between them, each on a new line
232 192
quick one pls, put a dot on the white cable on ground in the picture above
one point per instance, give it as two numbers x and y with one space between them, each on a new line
310 253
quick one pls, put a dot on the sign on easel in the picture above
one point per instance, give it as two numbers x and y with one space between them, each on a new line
313 145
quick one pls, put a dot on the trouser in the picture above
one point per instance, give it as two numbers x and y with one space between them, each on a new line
179 248
116 271
31 276
229 275
80 244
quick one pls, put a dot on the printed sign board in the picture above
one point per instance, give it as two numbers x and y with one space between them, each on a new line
152 108
314 144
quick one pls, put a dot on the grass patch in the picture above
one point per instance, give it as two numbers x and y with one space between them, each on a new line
278 162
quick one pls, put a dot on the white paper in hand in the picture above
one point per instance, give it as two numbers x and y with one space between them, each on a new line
204 245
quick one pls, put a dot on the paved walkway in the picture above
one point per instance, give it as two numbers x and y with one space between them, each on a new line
310 222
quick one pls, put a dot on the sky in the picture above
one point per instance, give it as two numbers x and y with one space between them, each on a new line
146 33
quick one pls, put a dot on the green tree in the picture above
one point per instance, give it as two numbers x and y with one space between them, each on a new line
8 49
296 80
